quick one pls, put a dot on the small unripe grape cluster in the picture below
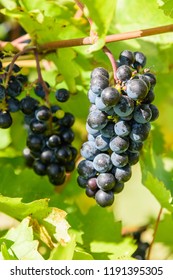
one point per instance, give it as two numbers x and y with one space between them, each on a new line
49 149
118 123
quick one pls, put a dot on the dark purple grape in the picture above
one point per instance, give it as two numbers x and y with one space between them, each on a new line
40 91
136 89
98 83
110 96
102 163
142 113
86 169
92 183
123 174
39 168
140 132
139 60
43 113
106 181
37 126
119 144
124 107
13 104
119 160
5 119
99 71
62 95
82 182
28 105
103 198
89 150
126 57
123 73
97 119
35 142
54 141
154 112
122 128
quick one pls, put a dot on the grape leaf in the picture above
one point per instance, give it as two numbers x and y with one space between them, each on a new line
9 4
163 232
98 11
67 67
109 243
166 6
49 222
24 246
154 174
64 252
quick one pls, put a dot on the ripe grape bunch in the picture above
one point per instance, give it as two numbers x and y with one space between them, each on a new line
118 124
49 149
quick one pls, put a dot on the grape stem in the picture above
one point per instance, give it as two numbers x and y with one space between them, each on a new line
112 61
154 234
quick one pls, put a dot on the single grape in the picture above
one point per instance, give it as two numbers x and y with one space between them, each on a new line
39 89
123 73
47 156
122 128
5 119
97 119
55 170
119 144
28 156
91 96
43 113
154 112
99 104
135 146
102 163
149 98
67 135
136 89
54 141
37 126
62 95
102 143
13 104
108 130
68 120
15 68
14 87
133 157
142 113
140 132
103 198
63 154
119 160
92 184
126 57
99 71
89 150
35 142
124 107
86 169
98 83
39 168
106 181
89 192
119 186
82 182
28 105
123 174
139 60
110 96
151 77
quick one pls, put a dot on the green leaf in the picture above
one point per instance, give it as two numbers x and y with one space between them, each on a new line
9 4
64 252
163 232
166 6
154 174
67 67
6 255
23 247
98 12
105 241
49 222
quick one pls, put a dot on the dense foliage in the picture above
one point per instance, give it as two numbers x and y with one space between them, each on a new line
50 217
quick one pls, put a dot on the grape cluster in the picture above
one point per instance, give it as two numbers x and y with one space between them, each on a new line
10 90
49 149
118 123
